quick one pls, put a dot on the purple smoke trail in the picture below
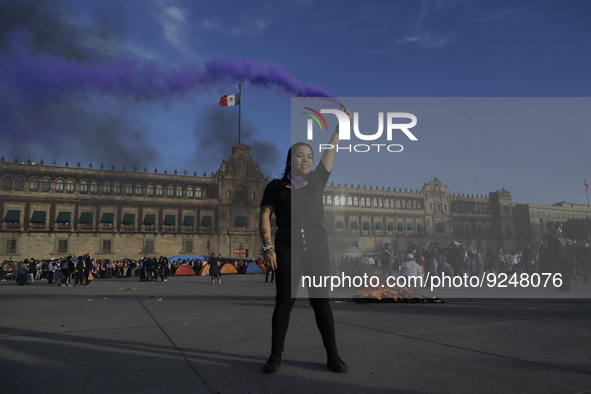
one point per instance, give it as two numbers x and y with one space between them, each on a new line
42 76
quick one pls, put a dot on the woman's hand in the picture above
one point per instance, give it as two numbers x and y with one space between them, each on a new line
270 259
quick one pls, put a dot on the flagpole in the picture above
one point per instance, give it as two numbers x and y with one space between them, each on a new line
587 191
239 109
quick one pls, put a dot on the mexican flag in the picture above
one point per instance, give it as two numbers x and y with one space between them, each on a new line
228 101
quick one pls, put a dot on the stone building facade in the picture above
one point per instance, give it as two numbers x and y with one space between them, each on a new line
531 219
368 218
51 211
55 211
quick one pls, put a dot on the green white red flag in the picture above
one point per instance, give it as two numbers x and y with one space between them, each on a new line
230 100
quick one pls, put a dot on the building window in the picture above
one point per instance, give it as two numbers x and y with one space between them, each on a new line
190 192
381 203
38 219
34 184
128 188
170 191
187 246
350 201
11 246
70 185
399 204
107 188
356 201
62 246
363 201
7 183
63 219
150 190
128 221
375 202
241 222
117 188
169 222
159 190
138 189
84 186
328 200
198 192
19 183
387 203
94 186
148 246
59 185
45 184
107 220
179 191
106 246
337 201
229 194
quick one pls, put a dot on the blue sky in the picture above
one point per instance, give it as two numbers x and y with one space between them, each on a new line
348 48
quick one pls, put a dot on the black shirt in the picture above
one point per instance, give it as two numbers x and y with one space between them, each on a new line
298 207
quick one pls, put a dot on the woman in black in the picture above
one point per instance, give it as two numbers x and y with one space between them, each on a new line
300 245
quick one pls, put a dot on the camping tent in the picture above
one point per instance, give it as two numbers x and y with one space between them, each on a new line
184 269
228 269
253 268
204 270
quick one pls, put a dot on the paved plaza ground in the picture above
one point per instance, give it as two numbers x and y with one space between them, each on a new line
188 336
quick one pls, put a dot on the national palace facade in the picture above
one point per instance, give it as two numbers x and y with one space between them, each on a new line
50 211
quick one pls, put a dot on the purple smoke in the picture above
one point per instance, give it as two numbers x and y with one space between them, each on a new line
36 77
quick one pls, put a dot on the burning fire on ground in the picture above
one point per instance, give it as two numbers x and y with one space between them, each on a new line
386 295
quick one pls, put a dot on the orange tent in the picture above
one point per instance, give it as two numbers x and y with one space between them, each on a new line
184 269
228 269
204 270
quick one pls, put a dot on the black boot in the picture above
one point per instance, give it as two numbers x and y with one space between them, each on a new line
273 363
335 363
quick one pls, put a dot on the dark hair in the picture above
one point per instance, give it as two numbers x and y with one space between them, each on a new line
288 160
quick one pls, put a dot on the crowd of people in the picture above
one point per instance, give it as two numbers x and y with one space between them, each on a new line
549 254
69 271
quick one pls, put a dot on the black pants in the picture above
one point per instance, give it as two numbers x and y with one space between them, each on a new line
311 259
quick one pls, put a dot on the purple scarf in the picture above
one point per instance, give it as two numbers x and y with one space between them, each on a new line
296 181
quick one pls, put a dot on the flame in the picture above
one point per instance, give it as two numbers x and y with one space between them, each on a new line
395 293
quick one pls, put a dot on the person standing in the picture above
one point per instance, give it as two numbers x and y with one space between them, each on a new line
412 272
87 269
215 269
301 245
79 272
31 271
455 257
387 260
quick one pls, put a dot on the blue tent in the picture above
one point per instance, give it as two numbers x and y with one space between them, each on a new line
186 257
253 268
179 257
